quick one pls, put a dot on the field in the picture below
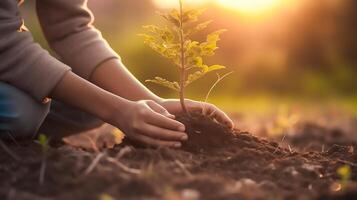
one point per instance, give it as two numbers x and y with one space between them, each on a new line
292 94
309 161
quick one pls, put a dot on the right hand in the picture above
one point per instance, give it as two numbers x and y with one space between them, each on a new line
149 123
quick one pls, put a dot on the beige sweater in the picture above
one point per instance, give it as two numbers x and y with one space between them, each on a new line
67 25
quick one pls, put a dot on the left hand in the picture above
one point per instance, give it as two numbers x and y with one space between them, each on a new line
173 106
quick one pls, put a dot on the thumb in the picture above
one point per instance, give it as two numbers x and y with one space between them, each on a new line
160 109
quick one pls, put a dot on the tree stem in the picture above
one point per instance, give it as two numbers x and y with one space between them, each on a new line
182 70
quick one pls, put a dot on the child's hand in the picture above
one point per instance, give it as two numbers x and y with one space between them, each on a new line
174 107
149 123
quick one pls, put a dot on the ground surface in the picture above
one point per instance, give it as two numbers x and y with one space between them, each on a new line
216 164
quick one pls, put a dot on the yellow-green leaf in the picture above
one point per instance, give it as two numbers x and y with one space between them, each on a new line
193 77
214 68
208 48
192 15
344 172
195 62
163 82
42 139
198 27
173 17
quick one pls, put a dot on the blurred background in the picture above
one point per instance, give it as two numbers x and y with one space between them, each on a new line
292 59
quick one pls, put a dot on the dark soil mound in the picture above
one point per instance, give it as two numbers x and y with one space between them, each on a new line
215 164
205 133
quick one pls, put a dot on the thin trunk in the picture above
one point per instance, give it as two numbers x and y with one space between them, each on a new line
183 70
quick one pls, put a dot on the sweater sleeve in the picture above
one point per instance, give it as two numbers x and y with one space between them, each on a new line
23 63
67 25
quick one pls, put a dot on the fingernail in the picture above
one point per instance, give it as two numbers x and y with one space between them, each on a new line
177 145
185 137
182 128
170 116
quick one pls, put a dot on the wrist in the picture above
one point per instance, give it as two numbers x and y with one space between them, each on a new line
158 99
115 109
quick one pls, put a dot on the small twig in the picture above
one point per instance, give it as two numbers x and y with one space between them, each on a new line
12 138
123 151
290 149
282 140
124 167
183 168
11 153
43 170
94 163
219 79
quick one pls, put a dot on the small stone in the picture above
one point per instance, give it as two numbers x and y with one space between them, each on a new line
190 194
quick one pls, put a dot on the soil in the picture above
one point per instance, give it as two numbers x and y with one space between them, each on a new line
216 163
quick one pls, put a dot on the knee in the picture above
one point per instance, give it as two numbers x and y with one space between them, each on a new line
20 114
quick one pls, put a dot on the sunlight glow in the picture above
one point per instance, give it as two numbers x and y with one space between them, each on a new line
174 3
250 6
247 7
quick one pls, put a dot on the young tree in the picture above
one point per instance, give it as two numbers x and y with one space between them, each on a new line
173 42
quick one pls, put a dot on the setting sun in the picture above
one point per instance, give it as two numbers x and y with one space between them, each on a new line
250 6
247 7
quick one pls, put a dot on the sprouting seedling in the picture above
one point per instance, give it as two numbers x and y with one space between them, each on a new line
43 141
173 42
345 175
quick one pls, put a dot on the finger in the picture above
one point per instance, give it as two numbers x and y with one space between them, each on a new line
155 142
221 116
158 108
160 120
211 110
196 106
163 134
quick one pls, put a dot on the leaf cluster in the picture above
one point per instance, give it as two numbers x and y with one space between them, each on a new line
173 42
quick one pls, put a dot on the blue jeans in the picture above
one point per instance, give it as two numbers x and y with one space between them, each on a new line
22 117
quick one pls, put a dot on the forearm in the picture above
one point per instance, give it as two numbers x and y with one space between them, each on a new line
84 95
113 76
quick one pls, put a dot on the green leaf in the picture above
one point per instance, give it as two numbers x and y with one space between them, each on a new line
195 62
192 48
214 37
173 17
215 68
162 40
344 172
204 69
192 15
197 28
43 141
209 47
163 82
164 33
193 77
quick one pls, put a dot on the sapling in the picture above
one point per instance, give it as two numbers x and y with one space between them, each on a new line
174 42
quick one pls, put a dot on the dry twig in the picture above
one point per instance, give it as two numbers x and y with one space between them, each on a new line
8 151
183 168
94 163
123 167
282 140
